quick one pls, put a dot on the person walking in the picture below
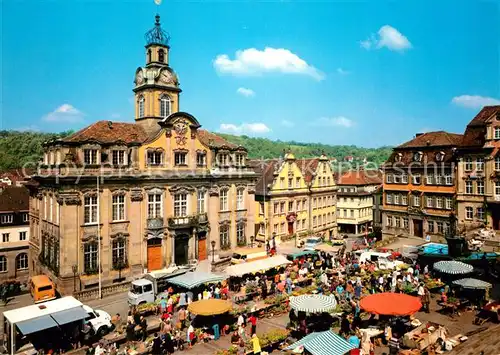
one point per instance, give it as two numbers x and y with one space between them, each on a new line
256 345
426 300
253 322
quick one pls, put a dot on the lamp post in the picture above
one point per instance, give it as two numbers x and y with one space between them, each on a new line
251 241
74 268
213 250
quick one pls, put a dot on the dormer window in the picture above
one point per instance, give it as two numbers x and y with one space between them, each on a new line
399 156
417 156
161 55
440 156
165 106
155 157
6 218
240 160
496 132
90 156
201 159
180 158
223 159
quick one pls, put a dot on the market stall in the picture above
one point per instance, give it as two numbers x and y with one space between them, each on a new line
194 279
311 312
473 284
424 335
322 343
257 266
391 304
210 307
453 267
313 303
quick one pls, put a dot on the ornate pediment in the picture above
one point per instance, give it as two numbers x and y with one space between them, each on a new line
181 189
70 199
214 191
136 195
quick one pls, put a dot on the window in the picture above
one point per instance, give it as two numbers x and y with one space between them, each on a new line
51 208
201 159
430 226
200 202
161 55
282 227
352 213
497 133
22 236
297 182
468 187
155 157
314 222
141 106
180 158
290 183
416 179
389 221
405 222
404 178
90 209
290 206
5 237
90 156
345 213
26 217
155 205
180 205
430 179
497 188
469 212
276 208
446 228
396 199
448 203
397 179
240 160
223 159
398 222
118 208
7 218
497 163
389 199
440 227
429 201
3 263
90 258
439 202
417 156
448 179
389 178
119 253
223 203
165 105
468 164
118 157
240 203
22 262
480 187
479 164
282 207
416 201
439 179
440 156
404 200
480 213
240 234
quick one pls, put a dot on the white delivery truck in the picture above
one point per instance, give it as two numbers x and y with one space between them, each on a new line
99 320
145 289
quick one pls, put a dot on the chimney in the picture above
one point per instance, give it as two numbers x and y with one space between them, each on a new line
418 135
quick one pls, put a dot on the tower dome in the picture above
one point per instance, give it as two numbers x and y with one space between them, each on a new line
156 35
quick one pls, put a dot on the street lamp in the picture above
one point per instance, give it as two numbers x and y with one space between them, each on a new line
74 268
251 241
213 250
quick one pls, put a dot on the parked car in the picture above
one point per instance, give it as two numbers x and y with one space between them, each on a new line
312 242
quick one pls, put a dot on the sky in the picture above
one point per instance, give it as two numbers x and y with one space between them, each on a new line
367 73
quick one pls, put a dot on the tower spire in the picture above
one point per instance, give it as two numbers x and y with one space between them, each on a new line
157 35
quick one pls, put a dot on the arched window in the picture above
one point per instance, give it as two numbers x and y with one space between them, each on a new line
22 261
149 55
3 263
165 106
141 106
161 55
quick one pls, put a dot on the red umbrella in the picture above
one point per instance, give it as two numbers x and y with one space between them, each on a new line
391 304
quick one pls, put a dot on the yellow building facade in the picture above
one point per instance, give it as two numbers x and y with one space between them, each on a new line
295 197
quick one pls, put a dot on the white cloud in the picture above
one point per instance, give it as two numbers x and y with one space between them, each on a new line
64 113
339 121
252 61
288 124
474 101
342 71
245 92
389 37
245 128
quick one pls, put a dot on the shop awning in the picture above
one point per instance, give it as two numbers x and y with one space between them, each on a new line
70 315
196 278
323 343
391 304
35 325
257 265
473 284
210 307
313 303
453 267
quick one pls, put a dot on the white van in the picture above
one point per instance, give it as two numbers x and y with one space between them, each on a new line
384 261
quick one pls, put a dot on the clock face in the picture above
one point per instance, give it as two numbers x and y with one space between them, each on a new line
166 77
139 78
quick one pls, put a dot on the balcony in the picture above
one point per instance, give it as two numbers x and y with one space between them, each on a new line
187 221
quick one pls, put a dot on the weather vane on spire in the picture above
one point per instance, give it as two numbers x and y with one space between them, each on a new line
157 35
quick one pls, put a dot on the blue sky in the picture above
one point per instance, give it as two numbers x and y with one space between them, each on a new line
349 72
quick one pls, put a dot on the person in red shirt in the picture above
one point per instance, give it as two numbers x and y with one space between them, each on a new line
253 321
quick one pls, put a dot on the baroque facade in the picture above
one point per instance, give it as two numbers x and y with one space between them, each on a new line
295 197
478 183
356 200
139 196
420 185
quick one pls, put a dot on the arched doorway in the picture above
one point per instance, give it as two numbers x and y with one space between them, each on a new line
154 254
181 249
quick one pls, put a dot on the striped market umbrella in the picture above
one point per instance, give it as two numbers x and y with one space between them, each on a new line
453 267
473 284
313 303
323 343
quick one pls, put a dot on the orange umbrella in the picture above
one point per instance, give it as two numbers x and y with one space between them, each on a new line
391 304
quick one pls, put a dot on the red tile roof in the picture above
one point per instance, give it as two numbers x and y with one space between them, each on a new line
13 199
433 139
212 140
108 132
361 177
475 133
265 171
308 167
483 115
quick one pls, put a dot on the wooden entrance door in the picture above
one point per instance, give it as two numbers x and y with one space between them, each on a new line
154 254
418 230
495 216
202 249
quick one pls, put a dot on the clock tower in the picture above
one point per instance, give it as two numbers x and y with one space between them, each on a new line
156 84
